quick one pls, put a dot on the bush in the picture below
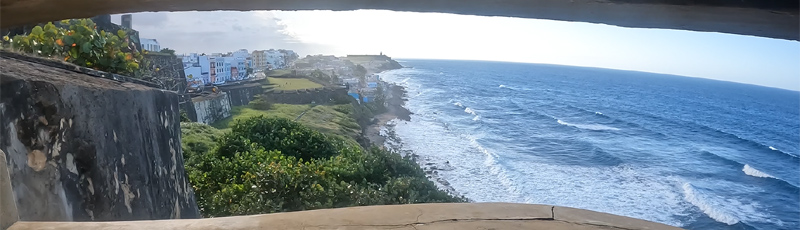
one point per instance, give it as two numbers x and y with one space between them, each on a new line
185 116
78 41
291 138
267 165
260 102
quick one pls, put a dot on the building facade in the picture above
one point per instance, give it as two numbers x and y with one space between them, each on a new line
150 44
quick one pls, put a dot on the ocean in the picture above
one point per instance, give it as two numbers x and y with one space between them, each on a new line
688 152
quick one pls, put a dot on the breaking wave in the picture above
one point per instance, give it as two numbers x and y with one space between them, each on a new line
470 111
595 127
695 197
754 172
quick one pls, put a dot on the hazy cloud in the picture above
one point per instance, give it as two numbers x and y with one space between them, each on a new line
218 31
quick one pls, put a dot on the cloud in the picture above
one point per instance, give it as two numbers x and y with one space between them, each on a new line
219 31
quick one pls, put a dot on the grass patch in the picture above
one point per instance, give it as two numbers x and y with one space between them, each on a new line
245 111
198 138
292 83
329 119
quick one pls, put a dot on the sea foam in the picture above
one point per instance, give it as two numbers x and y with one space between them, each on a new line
470 111
754 172
696 198
596 127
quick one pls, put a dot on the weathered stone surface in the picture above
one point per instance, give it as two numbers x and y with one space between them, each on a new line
83 148
8 206
166 71
416 216
580 216
765 18
212 107
242 94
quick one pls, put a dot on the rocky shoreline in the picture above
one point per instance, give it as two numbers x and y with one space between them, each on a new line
395 110
382 134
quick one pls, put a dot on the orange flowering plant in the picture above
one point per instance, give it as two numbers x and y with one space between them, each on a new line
79 42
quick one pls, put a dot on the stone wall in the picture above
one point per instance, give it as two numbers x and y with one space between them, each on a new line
83 148
166 71
212 107
318 96
188 107
242 94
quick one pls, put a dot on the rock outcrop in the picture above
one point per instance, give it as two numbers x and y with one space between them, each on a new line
83 148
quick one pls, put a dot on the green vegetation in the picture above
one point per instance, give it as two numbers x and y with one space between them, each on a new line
197 139
262 161
167 51
247 111
78 41
292 83
268 164
331 119
260 102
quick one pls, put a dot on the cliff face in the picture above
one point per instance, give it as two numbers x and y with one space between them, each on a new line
83 148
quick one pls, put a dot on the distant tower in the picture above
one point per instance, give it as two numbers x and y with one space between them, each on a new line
127 21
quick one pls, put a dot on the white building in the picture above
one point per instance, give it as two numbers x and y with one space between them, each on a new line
242 53
150 44
217 68
193 73
241 67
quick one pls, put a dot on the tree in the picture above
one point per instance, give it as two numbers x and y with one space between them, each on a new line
360 71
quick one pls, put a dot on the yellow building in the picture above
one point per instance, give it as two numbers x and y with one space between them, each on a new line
259 59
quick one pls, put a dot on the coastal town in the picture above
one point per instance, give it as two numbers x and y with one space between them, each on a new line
356 73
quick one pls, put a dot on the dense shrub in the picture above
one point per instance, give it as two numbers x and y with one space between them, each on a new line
266 165
197 139
291 138
78 41
260 102
184 116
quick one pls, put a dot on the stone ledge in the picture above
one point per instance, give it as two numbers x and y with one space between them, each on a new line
76 68
414 216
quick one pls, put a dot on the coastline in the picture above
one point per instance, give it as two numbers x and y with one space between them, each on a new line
381 133
395 110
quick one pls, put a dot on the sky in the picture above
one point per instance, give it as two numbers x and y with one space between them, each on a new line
727 57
